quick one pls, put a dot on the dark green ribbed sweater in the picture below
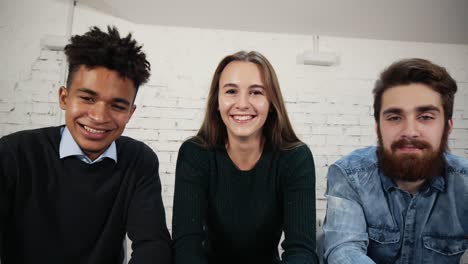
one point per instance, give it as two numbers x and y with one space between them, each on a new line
224 215
56 210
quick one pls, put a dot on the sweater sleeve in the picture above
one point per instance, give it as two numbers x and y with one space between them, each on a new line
299 207
7 173
190 205
146 223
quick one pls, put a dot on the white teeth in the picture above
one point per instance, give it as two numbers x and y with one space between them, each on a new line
94 130
243 117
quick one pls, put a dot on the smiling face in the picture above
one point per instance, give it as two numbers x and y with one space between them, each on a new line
412 131
98 104
243 102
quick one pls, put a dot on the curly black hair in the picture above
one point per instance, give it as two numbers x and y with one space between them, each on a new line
96 48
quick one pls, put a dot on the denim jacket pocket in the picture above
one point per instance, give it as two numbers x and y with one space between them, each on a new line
445 246
384 244
444 249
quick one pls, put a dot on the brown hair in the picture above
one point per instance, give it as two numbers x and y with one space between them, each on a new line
416 70
277 129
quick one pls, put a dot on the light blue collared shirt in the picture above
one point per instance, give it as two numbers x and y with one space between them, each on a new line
69 147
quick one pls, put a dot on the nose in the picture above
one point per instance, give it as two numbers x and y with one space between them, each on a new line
243 101
99 113
410 129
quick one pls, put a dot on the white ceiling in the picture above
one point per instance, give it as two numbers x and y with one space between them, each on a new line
443 21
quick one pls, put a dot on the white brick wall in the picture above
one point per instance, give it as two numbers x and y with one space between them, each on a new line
330 107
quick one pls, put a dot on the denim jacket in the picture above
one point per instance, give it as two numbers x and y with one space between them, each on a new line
370 220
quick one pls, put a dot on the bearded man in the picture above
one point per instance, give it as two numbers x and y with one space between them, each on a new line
406 200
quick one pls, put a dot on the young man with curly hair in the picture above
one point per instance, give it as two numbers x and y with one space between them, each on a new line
69 194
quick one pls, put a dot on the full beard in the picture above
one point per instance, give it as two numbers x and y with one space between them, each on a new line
412 167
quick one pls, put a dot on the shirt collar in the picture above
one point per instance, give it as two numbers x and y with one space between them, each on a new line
437 182
69 147
387 183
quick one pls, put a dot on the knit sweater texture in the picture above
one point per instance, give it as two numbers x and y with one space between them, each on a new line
56 210
225 215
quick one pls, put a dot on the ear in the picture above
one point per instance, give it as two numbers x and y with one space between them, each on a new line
450 126
63 96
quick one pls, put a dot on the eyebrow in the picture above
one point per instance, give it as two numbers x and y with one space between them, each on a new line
427 108
419 109
115 100
257 86
88 91
250 87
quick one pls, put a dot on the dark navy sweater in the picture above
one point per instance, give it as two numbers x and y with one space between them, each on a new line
226 215
56 210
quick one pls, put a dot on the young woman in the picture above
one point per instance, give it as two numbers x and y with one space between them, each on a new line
245 177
